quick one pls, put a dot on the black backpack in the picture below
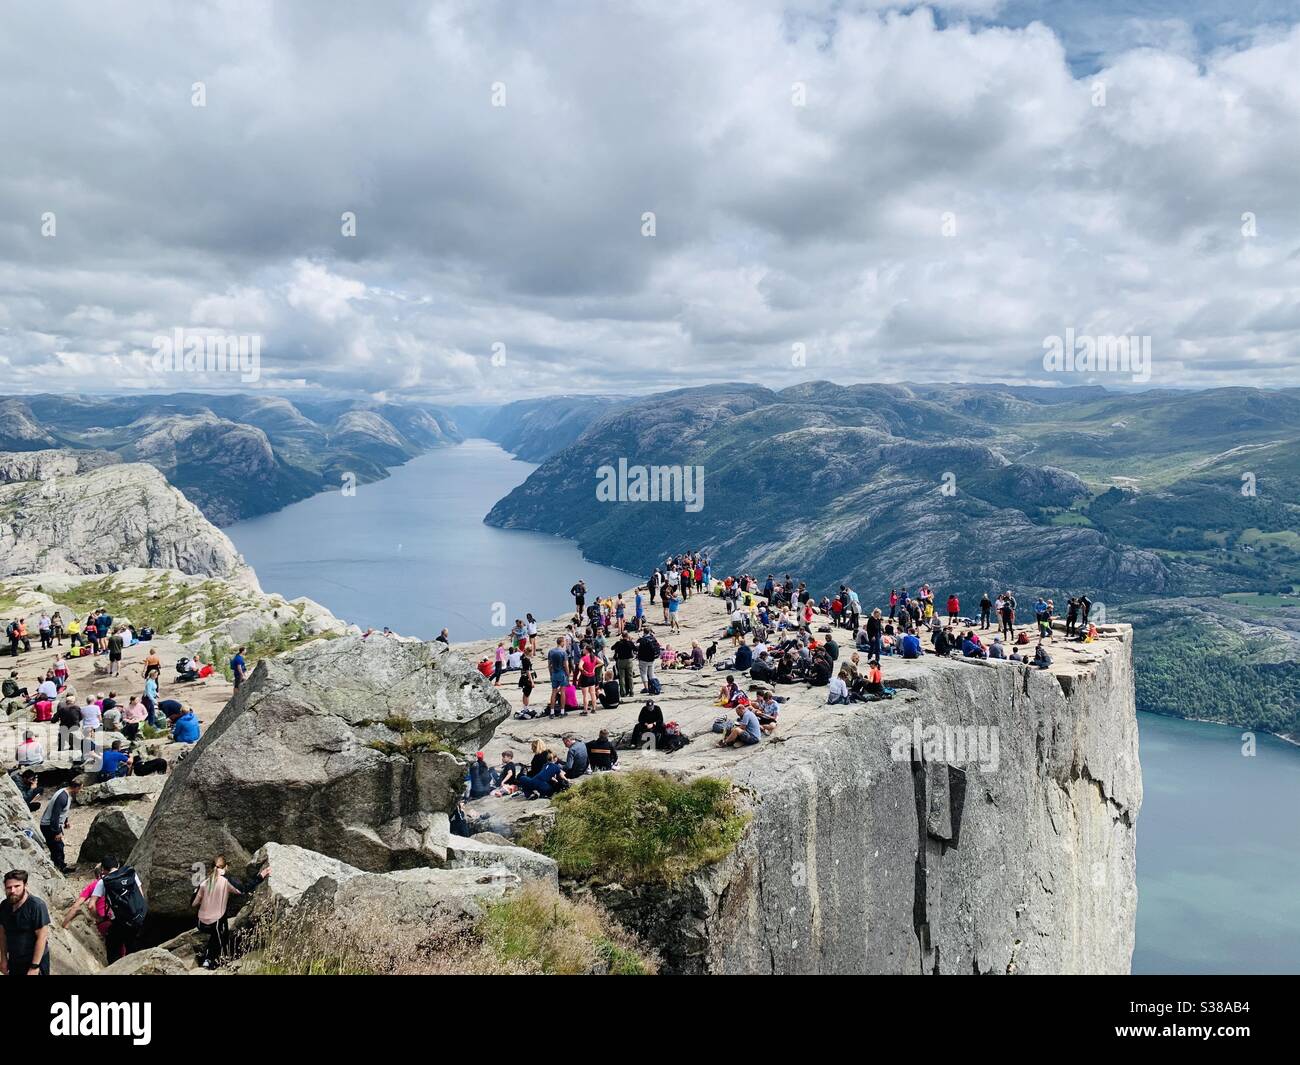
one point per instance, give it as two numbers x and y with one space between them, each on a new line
124 897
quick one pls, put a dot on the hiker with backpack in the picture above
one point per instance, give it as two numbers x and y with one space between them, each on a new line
120 887
100 912
647 654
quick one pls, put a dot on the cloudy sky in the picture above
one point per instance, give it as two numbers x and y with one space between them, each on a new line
859 192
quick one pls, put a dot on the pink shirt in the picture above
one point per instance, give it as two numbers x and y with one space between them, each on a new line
212 904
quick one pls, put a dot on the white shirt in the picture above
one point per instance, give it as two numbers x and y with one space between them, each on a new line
838 687
30 752
90 716
49 689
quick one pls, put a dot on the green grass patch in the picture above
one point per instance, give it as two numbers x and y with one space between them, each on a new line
551 935
643 827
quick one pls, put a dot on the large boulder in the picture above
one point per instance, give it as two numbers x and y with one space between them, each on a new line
412 896
21 845
156 961
293 871
114 831
120 789
477 852
342 748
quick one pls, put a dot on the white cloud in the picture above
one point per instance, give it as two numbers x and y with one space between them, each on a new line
520 225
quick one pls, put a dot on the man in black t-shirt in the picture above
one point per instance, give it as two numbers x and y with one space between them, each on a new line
24 929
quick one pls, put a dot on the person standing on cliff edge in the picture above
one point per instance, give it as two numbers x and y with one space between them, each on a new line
579 593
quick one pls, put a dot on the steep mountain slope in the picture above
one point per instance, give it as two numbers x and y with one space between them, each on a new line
236 455
106 518
534 429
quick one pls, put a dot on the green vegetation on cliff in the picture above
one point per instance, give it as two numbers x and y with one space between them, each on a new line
643 826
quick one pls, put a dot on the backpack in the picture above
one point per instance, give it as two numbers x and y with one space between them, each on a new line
125 898
655 687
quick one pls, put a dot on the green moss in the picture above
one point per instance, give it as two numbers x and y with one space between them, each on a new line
643 827
412 742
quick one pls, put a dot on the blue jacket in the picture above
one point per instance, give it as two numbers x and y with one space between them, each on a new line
186 729
909 646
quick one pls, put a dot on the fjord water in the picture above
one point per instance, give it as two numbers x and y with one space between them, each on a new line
412 552
1218 851
1218 846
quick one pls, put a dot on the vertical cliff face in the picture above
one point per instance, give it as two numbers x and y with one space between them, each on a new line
1008 848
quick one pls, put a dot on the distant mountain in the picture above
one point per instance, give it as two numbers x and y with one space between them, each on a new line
534 429
1132 498
234 456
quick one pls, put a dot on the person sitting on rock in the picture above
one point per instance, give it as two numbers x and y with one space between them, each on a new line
997 649
649 721
135 714
10 689
115 762
506 775
29 787
1041 658
479 777
185 727
30 751
837 691
601 753
543 783
729 693
745 732
909 646
577 759
766 709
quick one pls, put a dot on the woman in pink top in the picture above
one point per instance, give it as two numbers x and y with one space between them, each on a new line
101 914
132 717
211 899
587 680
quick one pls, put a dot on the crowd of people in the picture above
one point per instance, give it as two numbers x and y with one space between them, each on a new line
777 633
104 734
